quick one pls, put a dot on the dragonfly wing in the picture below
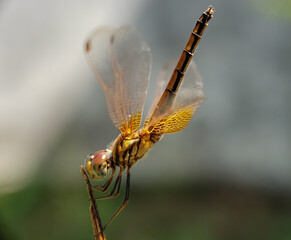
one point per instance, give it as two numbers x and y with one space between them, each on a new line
121 61
161 84
188 98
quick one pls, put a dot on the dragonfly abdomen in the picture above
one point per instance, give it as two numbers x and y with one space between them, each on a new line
169 95
189 50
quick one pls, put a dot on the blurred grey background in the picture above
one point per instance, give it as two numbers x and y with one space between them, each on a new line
226 176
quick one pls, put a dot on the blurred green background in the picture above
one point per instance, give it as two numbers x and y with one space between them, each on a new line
227 176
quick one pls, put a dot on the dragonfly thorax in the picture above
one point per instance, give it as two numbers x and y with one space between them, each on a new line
127 149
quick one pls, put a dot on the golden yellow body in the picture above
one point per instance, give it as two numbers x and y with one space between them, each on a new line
128 148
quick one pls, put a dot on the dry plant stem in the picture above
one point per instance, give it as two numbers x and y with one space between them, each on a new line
95 218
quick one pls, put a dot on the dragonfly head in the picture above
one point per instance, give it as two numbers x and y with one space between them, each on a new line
97 165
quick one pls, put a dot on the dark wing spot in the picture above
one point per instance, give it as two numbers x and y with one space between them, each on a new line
88 46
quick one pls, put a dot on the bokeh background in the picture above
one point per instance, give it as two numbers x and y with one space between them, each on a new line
227 176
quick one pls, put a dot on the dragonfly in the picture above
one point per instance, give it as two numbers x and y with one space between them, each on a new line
121 62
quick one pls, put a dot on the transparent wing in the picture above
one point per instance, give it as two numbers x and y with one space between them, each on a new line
121 61
189 97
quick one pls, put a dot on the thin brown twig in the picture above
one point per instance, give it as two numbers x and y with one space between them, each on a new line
95 217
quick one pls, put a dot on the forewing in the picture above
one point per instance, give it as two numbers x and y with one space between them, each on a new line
121 61
188 98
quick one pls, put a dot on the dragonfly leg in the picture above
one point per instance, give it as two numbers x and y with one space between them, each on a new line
116 188
126 198
107 184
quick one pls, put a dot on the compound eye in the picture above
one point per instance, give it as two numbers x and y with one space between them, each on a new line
97 165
